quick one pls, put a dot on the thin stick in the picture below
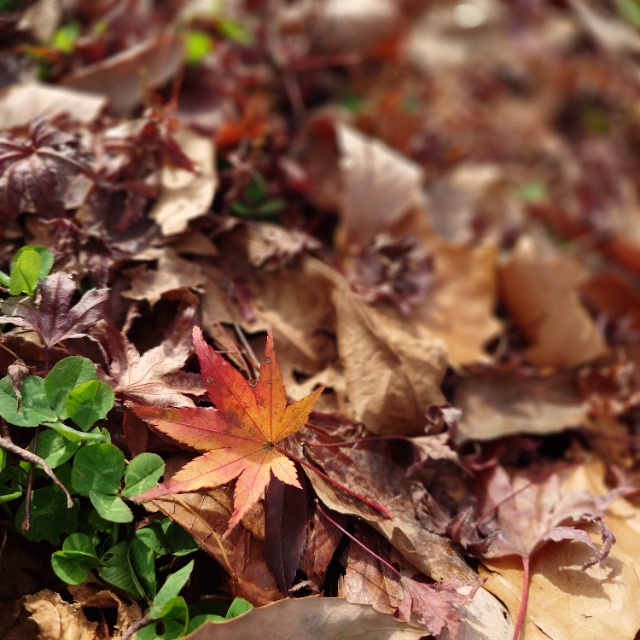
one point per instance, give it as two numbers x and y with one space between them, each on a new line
136 626
32 458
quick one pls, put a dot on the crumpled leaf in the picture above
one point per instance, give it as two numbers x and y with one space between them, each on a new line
393 371
542 296
54 319
522 515
155 378
601 599
171 273
369 581
240 437
57 619
310 619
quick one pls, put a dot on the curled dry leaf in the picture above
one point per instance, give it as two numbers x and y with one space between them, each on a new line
155 378
393 372
521 515
205 516
57 619
599 602
542 296
240 437
185 195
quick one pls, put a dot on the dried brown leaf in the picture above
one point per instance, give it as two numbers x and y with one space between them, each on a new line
57 619
542 296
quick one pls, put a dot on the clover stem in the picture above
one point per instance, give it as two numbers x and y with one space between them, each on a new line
525 598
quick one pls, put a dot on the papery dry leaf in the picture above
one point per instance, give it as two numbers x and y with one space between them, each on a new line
154 378
377 479
542 296
21 104
185 195
393 371
54 319
89 594
565 601
380 186
497 403
239 437
57 619
522 515
171 273
120 76
460 307
310 619
205 516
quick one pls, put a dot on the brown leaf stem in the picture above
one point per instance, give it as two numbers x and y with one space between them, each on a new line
11 447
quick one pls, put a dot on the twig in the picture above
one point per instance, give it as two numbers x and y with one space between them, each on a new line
8 445
138 624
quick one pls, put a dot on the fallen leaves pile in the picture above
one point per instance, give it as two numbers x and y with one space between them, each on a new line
426 216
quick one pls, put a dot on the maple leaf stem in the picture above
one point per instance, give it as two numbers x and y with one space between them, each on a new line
382 561
526 561
375 505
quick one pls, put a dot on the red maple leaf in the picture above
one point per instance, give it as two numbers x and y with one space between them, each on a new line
239 437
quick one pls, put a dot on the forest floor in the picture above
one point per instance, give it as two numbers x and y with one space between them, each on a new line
426 216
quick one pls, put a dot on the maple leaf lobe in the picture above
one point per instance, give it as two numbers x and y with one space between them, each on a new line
239 436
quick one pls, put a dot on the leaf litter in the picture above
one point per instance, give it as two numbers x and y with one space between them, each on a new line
425 211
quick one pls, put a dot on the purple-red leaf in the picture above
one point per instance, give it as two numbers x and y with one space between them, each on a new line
54 319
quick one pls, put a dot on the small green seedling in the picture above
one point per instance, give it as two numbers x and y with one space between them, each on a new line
29 265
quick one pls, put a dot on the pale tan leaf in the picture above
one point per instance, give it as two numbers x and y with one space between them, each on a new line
393 371
542 296
310 619
57 619
20 104
185 195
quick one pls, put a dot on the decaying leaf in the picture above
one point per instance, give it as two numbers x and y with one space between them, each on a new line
185 195
155 378
172 272
57 619
522 515
37 172
497 403
599 602
239 437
